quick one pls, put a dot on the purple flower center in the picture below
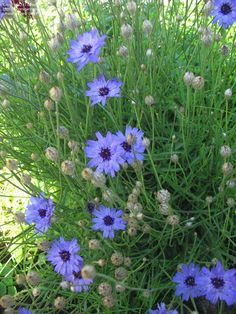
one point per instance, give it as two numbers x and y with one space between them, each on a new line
77 274
105 153
217 282
226 9
190 281
65 255
42 212
86 48
126 147
108 220
103 91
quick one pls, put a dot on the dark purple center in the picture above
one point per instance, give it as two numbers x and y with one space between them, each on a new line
42 212
126 147
217 282
103 91
65 255
86 48
77 275
226 9
108 220
105 153
90 207
190 281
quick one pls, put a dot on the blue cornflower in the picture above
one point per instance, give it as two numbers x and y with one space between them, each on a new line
161 309
40 212
108 220
4 7
186 282
101 89
224 12
105 154
23 310
86 49
132 151
78 283
63 255
218 284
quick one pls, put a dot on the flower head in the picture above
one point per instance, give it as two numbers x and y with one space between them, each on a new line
161 309
63 255
4 7
108 220
218 284
23 310
224 12
101 89
78 283
105 154
131 151
40 212
86 49
186 282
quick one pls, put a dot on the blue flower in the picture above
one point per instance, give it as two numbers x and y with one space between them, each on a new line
101 89
186 281
218 284
105 154
4 7
86 49
224 12
161 309
131 152
78 284
23 310
40 212
63 255
108 220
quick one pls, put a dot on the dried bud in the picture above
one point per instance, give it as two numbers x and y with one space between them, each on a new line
131 139
123 51
60 76
121 273
225 151
120 287
87 174
163 196
43 245
117 259
224 50
59 303
105 289
131 7
132 231
34 156
164 209
228 93
188 78
25 179
48 104
73 145
149 100
126 31
109 301
208 7
51 153
7 301
94 244
127 261
55 93
147 27
227 168
33 278
173 220
12 164
101 262
88 272
198 83
44 77
20 280
68 168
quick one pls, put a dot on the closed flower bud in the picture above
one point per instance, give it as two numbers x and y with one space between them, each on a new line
208 7
149 53
34 156
173 220
132 231
163 196
73 145
198 83
230 202
98 180
149 100
146 142
64 285
55 42
101 262
147 293
88 272
224 50
121 273
33 278
23 36
126 31
120 287
44 77
131 7
228 93
227 168
68 168
6 103
137 165
20 280
147 27
55 93
72 21
87 174
207 39
225 151
12 164
105 289
29 126
51 153
109 301
43 245
59 303
127 261
231 184
9 310
137 208
60 76
174 158
117 3
123 51
25 179
94 244
108 196
49 104
188 78
19 217
139 216
36 292
117 259
164 209
7 301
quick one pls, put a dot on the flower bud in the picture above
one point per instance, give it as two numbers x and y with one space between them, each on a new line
60 76
147 27
6 103
12 164
64 285
44 77
131 7
72 22
120 288
33 278
146 142
23 36
132 231
19 217
109 301
188 78
117 258
94 244
105 289
68 168
43 245
55 93
59 303
127 261
98 180
198 83
149 53
34 156
88 272
87 174
36 292
149 100
101 262
225 151
224 50
164 209
55 42
231 184
230 202
123 51
73 145
7 301
51 153
208 7
228 93
20 280
174 158
163 196
9 310
126 31
48 104
121 273
173 220
227 168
